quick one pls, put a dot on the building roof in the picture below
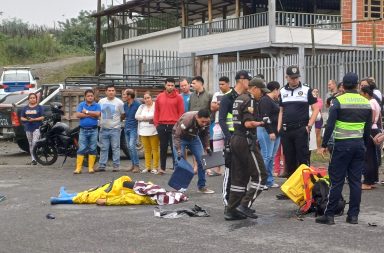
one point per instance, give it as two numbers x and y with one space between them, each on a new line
157 7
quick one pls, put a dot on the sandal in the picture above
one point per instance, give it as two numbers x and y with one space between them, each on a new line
153 171
366 187
213 174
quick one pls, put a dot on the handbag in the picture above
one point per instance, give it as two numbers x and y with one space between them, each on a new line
378 139
217 133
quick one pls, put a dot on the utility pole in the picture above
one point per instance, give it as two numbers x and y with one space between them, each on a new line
98 40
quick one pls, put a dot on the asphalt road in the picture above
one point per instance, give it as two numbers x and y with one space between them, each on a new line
90 228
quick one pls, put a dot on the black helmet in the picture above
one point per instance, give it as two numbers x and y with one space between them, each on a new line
56 107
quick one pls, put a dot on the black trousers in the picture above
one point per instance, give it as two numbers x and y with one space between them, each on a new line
165 137
347 161
371 164
246 165
227 176
296 148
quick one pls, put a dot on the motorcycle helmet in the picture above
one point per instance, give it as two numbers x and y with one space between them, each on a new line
56 108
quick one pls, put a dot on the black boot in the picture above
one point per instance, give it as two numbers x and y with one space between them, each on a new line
233 215
246 212
325 220
352 220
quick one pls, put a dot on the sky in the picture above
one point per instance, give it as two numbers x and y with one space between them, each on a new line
47 12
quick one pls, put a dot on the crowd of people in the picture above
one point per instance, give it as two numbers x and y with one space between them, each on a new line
265 130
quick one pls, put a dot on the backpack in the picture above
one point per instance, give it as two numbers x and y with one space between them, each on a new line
320 192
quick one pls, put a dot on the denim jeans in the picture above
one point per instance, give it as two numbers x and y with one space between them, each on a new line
131 140
109 137
87 142
197 150
268 150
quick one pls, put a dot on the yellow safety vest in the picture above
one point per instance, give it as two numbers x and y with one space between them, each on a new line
350 130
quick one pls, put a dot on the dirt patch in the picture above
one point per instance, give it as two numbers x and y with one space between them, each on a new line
43 70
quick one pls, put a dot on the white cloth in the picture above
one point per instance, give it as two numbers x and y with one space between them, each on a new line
377 92
376 110
145 117
312 134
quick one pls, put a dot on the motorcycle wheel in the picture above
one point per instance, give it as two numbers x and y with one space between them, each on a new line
45 154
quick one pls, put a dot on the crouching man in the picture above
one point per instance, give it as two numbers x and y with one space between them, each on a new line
186 135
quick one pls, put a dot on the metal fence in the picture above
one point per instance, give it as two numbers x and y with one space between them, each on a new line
226 25
294 19
297 19
318 69
156 62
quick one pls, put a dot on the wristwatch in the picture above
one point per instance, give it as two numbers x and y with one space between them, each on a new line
86 112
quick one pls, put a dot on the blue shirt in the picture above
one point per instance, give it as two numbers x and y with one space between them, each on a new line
88 121
186 98
130 112
32 112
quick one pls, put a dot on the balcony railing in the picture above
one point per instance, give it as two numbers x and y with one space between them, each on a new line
290 19
297 19
226 25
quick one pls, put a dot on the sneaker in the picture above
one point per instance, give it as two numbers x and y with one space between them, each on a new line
182 190
265 188
145 171
205 190
274 186
154 171
34 162
116 169
100 169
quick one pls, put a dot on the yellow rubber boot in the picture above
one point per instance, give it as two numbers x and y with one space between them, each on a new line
91 163
79 164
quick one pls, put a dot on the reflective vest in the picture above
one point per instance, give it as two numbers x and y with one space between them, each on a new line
229 122
350 123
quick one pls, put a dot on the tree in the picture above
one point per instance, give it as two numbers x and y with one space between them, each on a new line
79 32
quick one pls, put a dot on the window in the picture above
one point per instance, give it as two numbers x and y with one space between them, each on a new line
373 9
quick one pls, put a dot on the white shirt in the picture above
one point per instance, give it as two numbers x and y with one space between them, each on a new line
145 117
216 99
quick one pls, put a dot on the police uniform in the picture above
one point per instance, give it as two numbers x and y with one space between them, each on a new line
350 121
226 124
247 162
294 136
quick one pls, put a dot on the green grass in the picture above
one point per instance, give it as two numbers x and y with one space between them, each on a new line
86 68
27 50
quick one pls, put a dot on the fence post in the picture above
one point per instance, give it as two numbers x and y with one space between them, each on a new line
341 65
302 63
272 20
193 67
215 72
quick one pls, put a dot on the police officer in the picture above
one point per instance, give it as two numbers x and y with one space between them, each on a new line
247 162
226 123
294 121
349 119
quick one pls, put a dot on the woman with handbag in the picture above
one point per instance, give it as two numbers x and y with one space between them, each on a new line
371 167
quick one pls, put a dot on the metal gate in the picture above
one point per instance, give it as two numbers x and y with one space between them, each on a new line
317 69
156 62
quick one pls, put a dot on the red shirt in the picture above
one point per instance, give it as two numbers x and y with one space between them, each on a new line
168 108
